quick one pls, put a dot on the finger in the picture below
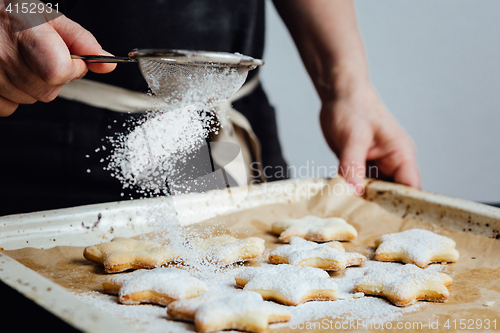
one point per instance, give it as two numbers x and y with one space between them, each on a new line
19 83
25 80
352 164
47 55
399 162
7 107
10 91
408 174
81 41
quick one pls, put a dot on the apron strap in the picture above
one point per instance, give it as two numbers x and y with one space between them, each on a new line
107 96
237 129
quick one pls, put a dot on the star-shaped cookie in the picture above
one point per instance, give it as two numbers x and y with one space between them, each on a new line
287 284
415 246
405 284
228 310
329 256
314 228
159 286
124 253
226 249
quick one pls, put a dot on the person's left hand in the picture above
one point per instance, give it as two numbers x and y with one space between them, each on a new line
360 130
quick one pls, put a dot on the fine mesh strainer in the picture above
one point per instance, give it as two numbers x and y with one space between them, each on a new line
182 77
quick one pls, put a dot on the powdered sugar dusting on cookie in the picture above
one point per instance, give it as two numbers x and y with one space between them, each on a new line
366 310
145 318
293 283
172 282
403 284
300 251
183 241
416 246
191 305
349 305
239 305
226 249
315 228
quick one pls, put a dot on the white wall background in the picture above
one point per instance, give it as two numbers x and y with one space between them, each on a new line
436 65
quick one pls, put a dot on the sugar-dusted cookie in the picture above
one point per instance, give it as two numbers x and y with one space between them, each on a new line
159 286
226 249
186 309
228 310
287 284
404 284
415 246
315 228
329 256
124 253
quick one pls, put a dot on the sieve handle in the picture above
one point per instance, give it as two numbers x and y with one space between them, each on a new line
101 58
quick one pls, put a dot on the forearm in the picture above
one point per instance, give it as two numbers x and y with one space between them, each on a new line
327 37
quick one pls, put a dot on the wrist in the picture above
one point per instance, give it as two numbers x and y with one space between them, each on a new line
336 72
344 81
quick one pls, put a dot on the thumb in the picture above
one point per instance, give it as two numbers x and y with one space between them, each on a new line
352 164
81 41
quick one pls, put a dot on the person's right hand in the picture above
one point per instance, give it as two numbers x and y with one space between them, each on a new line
35 63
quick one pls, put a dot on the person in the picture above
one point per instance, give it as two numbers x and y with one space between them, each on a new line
48 148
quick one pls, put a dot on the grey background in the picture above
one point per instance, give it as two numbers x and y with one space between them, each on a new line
435 64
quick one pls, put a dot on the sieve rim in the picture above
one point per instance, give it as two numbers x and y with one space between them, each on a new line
191 57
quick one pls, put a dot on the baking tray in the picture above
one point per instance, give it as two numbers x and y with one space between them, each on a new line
81 226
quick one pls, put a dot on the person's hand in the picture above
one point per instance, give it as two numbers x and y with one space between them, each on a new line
361 131
35 63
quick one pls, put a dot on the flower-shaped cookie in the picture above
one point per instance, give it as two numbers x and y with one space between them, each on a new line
329 256
405 284
287 284
124 253
228 309
314 228
415 246
159 286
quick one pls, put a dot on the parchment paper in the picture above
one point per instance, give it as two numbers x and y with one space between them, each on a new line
476 276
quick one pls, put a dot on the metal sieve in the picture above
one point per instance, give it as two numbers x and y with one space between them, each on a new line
183 77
